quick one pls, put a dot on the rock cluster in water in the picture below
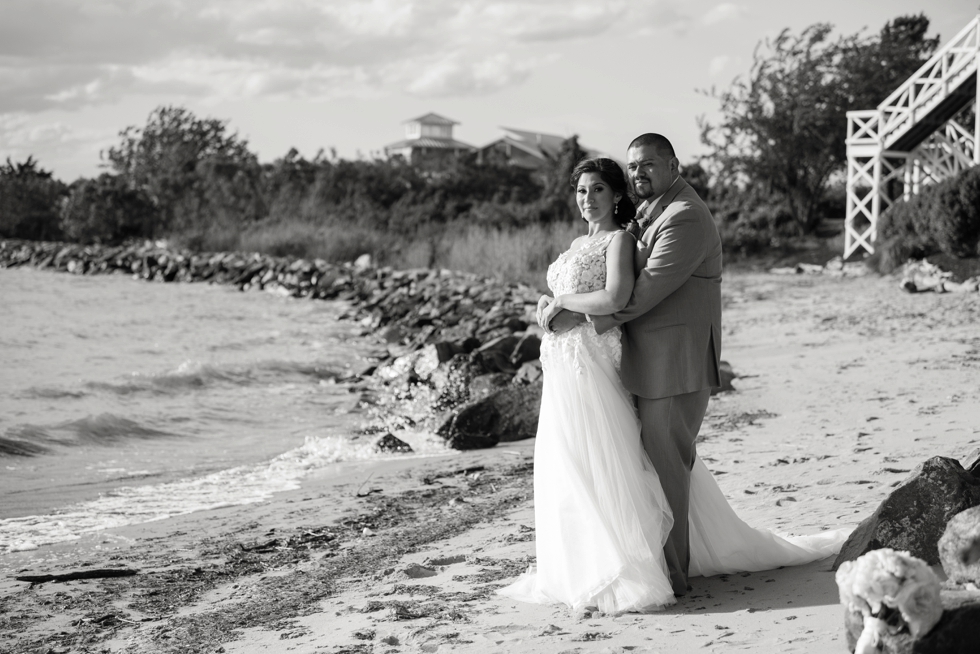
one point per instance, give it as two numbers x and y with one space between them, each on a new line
460 352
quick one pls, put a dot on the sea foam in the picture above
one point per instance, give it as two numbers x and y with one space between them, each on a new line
235 486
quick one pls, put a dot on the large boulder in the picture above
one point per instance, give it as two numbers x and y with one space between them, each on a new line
446 350
495 355
452 381
487 384
508 353
390 443
914 516
955 633
527 349
510 414
422 363
529 373
959 547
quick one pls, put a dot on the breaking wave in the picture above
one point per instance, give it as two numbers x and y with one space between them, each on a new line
192 375
104 429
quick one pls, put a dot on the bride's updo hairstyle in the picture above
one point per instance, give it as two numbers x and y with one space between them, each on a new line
613 176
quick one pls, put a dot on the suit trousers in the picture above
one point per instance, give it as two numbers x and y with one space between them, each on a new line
669 427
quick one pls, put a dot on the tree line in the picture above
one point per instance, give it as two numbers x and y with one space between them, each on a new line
773 168
188 176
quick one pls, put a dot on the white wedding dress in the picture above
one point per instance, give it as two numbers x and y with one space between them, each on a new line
601 518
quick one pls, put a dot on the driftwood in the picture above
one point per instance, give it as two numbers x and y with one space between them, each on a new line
80 574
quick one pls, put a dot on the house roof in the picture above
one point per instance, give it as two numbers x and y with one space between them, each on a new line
545 146
432 119
427 142
537 144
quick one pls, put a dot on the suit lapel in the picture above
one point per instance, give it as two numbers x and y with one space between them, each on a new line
672 192
654 214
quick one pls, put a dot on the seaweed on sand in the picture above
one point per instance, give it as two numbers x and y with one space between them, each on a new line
273 579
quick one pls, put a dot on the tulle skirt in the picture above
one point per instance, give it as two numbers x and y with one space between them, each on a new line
601 518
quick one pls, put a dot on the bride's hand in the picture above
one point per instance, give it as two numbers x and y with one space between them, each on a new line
543 303
549 312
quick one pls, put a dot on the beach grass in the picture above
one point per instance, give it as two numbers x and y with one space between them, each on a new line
518 254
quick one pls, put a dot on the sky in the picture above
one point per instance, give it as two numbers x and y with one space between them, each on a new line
346 74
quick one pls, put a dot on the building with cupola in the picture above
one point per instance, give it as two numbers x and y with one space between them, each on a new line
429 143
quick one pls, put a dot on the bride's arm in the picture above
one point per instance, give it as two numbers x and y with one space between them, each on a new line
619 282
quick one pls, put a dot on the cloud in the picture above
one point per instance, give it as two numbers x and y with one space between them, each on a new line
718 64
724 12
542 20
65 54
100 31
45 141
659 16
454 77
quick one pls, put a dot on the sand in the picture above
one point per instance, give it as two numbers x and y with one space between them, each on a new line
844 385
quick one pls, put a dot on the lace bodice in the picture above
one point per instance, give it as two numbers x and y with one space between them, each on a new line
582 270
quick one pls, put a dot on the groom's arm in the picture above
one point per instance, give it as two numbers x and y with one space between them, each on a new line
565 320
679 250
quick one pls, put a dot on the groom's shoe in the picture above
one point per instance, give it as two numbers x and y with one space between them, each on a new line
684 592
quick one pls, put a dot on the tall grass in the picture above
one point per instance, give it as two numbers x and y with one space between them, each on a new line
520 254
291 239
512 255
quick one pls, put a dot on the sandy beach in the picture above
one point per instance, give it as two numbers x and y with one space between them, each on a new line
844 385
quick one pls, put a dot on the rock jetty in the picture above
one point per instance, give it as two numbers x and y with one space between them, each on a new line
453 342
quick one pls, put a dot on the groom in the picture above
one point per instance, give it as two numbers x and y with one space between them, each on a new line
671 327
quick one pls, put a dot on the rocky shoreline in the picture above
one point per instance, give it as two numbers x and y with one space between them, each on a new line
459 353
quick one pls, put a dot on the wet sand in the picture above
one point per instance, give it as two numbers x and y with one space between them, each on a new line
844 386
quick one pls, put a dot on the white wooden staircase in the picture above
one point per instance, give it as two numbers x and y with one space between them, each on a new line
912 138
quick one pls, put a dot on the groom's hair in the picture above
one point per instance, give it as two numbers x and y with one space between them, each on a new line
657 141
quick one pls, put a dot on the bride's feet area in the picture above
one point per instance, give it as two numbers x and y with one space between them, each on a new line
587 613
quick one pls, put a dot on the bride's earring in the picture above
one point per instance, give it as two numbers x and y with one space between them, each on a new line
616 210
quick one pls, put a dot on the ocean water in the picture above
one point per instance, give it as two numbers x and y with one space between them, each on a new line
123 401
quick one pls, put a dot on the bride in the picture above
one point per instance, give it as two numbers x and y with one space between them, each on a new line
601 517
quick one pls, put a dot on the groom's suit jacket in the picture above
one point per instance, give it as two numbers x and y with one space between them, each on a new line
672 324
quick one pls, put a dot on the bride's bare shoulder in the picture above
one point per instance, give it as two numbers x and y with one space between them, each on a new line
623 238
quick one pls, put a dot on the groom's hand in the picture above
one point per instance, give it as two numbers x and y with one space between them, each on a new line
565 320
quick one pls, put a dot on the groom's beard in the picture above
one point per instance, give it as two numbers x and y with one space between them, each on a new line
644 195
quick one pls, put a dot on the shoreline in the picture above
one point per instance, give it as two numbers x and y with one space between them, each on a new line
844 386
446 339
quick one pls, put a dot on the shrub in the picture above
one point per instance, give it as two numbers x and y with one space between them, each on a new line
754 226
29 199
943 218
956 214
104 210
